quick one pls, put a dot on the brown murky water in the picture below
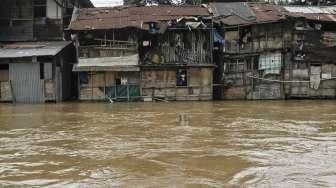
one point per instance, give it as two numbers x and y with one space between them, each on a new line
255 144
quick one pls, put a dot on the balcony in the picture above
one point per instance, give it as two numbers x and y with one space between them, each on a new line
107 48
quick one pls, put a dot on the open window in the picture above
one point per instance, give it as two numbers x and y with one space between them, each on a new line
4 67
41 71
181 77
40 8
4 72
121 79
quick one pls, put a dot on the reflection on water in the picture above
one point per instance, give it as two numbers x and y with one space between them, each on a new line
257 144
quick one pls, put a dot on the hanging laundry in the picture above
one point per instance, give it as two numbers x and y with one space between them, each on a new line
315 77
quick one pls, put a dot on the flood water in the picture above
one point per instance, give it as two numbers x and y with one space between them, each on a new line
176 144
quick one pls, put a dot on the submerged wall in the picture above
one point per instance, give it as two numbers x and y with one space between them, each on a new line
109 85
166 83
293 79
5 89
316 81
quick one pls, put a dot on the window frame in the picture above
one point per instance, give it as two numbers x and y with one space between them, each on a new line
43 6
179 77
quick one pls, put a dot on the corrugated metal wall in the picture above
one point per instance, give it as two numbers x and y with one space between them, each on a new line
26 82
48 73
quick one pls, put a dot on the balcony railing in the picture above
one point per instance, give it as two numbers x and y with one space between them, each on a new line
252 46
107 48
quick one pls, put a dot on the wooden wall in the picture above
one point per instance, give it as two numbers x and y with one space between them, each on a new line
317 81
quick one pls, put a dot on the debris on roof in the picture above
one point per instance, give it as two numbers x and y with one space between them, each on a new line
232 13
132 16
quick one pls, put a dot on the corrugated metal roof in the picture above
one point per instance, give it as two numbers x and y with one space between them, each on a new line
243 13
30 49
266 13
122 63
311 10
240 9
132 16
312 13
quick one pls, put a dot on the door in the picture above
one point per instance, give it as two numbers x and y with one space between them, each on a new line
26 82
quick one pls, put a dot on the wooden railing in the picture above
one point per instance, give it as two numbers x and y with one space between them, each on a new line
252 46
107 48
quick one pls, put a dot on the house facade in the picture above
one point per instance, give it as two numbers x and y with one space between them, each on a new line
35 61
267 51
233 50
313 58
154 53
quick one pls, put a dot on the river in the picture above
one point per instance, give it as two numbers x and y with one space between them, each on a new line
175 144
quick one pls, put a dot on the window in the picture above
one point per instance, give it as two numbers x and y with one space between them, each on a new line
181 77
41 71
249 66
4 66
4 72
83 78
230 67
40 8
118 81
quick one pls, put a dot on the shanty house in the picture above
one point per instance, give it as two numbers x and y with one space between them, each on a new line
311 72
35 61
158 52
252 51
107 54
274 52
36 71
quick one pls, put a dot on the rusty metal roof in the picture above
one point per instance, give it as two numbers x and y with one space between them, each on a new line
243 13
30 49
132 16
235 13
267 13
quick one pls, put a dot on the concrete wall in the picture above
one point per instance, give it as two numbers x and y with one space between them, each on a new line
5 91
161 83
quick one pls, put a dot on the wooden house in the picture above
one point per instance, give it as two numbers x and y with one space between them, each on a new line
267 51
311 70
160 52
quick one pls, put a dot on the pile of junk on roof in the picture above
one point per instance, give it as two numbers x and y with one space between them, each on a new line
233 50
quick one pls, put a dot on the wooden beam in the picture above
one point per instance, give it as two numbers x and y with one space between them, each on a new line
61 4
